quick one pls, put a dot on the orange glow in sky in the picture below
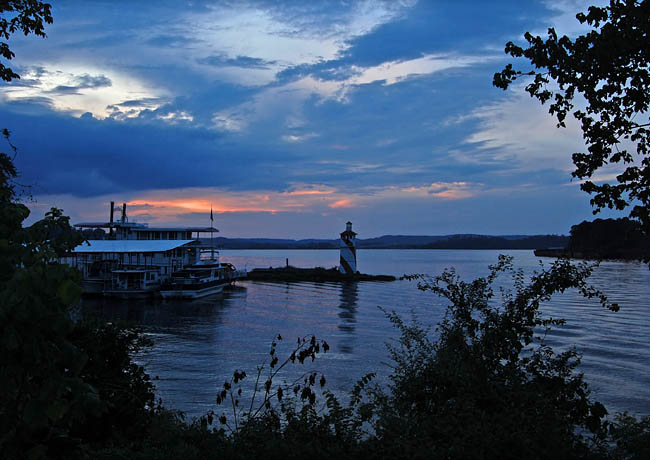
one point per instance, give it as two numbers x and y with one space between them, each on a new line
164 206
341 204
201 205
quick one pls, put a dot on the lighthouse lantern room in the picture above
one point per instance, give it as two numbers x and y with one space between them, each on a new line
348 261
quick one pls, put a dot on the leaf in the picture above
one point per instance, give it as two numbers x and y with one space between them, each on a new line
57 410
69 292
37 452
35 413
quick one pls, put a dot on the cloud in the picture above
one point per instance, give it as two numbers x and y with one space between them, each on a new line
148 102
130 155
257 36
245 62
397 71
220 203
563 17
176 116
80 82
74 91
286 100
167 40
277 103
345 203
310 191
169 206
299 137
517 130
446 190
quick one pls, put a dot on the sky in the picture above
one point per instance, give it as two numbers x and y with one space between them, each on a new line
290 118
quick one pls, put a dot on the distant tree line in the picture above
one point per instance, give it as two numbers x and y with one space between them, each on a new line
401 242
496 242
609 239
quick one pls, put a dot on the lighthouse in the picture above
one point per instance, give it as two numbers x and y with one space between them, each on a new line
348 262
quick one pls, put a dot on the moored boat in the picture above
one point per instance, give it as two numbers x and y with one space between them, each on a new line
204 278
133 260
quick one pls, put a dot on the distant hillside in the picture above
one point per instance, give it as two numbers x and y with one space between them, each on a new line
459 241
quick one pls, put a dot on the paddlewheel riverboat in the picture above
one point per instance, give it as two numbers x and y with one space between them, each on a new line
135 260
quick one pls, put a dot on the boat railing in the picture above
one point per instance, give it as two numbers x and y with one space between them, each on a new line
208 254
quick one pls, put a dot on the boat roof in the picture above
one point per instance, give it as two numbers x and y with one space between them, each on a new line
97 246
175 229
138 227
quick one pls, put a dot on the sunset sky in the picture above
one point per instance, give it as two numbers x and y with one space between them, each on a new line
289 119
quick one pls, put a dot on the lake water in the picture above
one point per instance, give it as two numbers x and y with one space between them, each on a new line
198 344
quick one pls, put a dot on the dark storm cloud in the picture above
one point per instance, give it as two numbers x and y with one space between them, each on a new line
87 157
35 105
82 82
431 27
30 76
92 81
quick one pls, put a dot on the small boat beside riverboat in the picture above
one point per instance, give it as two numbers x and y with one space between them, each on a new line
207 277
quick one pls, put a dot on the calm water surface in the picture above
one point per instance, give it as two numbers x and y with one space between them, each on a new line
198 344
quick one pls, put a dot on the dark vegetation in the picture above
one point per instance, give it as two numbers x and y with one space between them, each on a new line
93 234
65 385
26 16
602 239
317 275
609 239
610 68
485 385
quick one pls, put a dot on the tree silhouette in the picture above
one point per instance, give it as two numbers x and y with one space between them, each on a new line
27 16
610 68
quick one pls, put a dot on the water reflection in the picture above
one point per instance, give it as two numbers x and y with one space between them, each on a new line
154 314
348 311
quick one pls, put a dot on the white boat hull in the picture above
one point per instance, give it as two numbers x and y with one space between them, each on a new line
193 293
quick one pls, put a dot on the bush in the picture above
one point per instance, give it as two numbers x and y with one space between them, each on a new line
488 386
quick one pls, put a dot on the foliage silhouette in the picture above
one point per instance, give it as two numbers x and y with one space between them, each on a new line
489 386
609 239
64 385
610 68
274 394
26 16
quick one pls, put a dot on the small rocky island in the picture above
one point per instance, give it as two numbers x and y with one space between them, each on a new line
346 272
317 274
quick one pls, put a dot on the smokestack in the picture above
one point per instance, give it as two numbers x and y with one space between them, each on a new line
112 211
123 212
